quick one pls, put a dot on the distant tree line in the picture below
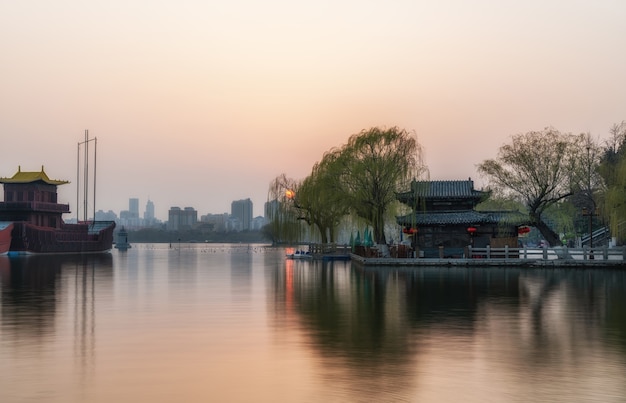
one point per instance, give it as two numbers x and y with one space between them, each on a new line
160 235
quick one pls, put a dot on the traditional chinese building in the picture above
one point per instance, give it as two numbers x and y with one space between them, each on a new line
30 203
444 219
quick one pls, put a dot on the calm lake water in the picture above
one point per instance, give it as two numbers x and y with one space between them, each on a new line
240 323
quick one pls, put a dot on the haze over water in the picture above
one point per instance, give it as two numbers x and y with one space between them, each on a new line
240 323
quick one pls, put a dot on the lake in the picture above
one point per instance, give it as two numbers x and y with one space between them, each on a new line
240 323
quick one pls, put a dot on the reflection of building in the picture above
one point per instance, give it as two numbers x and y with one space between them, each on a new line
242 211
181 219
444 215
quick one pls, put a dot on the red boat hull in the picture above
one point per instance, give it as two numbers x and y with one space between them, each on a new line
70 238
5 237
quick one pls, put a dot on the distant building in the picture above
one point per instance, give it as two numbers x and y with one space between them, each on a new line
258 223
242 211
271 209
106 216
133 207
130 218
217 220
181 219
148 215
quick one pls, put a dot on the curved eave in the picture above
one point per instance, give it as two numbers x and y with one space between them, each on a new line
22 177
466 217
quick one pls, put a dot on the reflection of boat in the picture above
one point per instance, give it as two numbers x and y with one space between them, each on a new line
5 236
30 202
299 254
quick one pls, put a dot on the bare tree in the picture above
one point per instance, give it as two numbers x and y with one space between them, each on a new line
541 168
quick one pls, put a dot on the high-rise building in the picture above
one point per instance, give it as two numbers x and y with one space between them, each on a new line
148 215
133 207
179 219
242 211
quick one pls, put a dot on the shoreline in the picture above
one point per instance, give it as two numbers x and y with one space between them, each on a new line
463 262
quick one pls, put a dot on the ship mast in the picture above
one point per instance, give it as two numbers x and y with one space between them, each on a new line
85 145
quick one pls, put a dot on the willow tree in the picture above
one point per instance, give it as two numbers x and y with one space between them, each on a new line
283 217
613 171
541 168
373 166
319 199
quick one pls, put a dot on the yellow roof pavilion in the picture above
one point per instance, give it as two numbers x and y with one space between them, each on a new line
29 177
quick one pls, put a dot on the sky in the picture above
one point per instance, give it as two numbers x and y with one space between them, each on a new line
196 103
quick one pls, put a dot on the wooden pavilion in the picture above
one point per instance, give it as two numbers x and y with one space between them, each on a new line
444 221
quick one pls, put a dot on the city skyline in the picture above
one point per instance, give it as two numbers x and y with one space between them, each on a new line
199 104
147 214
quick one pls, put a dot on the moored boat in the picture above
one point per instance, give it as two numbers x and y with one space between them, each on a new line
30 203
5 236
299 254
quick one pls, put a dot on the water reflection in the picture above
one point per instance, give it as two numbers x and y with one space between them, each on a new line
35 292
411 332
241 323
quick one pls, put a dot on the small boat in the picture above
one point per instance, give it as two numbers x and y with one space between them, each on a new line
299 254
5 236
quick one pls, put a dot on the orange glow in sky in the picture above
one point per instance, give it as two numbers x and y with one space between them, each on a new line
196 103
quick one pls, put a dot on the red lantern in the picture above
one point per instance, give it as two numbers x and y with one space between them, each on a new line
410 231
471 230
523 230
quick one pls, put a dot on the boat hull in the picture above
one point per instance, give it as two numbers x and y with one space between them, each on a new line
5 237
70 238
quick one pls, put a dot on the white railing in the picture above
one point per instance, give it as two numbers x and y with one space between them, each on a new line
585 253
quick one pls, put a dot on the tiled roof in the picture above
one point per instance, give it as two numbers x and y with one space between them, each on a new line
465 217
29 177
442 189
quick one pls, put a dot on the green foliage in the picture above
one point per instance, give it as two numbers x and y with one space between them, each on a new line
360 178
285 225
320 199
500 203
374 165
613 171
540 168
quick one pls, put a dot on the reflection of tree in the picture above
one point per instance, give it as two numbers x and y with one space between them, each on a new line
343 314
594 297
368 323
453 295
616 311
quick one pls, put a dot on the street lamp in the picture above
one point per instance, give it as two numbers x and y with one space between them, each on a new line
590 214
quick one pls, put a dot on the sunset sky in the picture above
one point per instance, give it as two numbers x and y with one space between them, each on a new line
199 103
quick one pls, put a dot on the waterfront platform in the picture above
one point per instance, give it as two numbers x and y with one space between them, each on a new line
463 262
510 257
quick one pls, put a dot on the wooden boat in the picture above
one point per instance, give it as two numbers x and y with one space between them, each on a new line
30 203
5 236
